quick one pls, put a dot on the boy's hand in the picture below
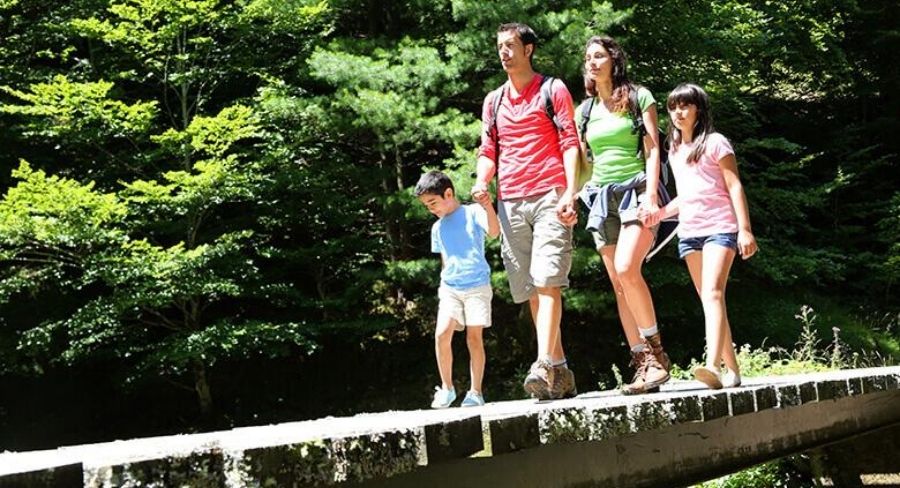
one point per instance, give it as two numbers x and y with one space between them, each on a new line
483 198
479 190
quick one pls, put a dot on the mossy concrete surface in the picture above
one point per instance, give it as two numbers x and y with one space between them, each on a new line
377 447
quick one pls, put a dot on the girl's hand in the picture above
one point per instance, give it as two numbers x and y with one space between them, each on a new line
649 213
746 244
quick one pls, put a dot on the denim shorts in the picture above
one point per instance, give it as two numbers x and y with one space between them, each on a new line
691 244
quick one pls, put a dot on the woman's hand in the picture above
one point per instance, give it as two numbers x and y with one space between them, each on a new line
649 213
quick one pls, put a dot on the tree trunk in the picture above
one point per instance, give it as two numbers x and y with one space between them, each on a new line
392 228
201 386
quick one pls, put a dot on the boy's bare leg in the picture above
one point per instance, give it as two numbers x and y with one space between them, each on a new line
475 343
443 350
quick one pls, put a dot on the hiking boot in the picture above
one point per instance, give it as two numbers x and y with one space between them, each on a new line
708 377
655 343
649 373
563 383
539 380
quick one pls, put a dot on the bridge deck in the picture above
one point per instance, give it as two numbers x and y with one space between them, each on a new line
378 447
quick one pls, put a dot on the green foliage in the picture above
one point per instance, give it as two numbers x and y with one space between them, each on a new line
766 475
223 181
79 112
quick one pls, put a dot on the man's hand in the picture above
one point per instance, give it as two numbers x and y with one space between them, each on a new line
483 198
480 191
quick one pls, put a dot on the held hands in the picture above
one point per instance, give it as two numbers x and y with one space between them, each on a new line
746 244
482 197
480 192
565 209
650 213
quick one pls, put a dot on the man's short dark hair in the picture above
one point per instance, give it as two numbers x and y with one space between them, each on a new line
526 34
434 182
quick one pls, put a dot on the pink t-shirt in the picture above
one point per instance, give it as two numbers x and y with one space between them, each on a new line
704 204
530 146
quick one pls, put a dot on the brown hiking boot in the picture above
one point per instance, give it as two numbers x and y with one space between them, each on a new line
652 368
563 384
539 380
655 343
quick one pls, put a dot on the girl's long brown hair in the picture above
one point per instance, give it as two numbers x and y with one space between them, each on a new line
691 94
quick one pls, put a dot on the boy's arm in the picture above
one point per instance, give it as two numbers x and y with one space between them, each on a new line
493 229
746 240
493 223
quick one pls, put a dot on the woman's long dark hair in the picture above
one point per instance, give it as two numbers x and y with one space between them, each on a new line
621 85
691 94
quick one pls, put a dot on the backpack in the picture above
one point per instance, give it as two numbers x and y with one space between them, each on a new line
546 94
637 128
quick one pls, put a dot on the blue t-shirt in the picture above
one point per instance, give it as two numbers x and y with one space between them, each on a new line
459 238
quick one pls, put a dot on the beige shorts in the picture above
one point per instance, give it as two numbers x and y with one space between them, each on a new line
469 308
536 246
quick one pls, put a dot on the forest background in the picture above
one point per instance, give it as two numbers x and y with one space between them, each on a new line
207 218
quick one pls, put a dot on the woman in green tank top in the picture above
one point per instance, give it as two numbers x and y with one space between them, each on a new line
620 238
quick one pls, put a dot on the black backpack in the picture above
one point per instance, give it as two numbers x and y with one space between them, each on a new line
637 128
546 94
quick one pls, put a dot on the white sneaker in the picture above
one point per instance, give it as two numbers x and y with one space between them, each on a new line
443 398
472 399
730 379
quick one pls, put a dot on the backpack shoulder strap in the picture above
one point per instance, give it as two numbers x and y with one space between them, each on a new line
637 115
497 97
490 129
585 109
547 95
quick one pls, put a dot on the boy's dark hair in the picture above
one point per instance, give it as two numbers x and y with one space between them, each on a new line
434 182
526 34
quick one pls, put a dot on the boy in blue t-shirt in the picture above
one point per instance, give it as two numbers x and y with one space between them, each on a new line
465 292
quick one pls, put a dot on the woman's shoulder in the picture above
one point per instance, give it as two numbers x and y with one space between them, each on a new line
644 96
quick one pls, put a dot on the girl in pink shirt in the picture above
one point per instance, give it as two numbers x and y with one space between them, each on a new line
714 220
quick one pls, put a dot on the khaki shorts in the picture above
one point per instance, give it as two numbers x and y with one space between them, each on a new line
608 234
469 308
536 246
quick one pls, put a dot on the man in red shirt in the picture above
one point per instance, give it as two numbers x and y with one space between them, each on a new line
536 174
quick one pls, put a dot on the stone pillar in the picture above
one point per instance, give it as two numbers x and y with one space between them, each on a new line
871 459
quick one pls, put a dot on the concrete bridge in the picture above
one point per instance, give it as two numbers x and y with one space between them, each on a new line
681 435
